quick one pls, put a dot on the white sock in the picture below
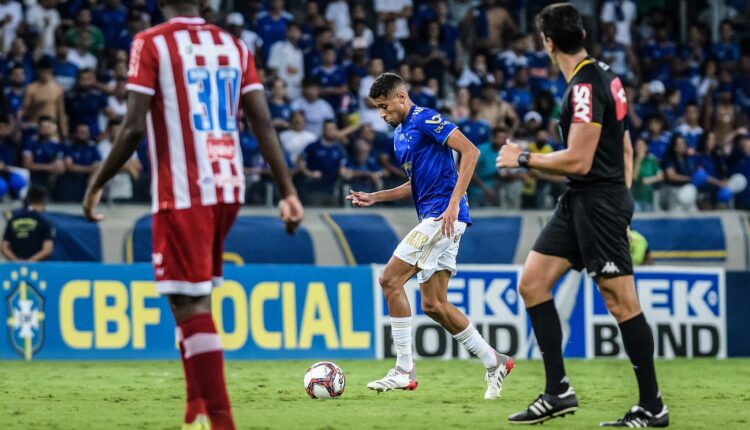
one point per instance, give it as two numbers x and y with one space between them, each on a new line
475 343
401 332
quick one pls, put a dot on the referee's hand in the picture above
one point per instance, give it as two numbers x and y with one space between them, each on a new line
508 155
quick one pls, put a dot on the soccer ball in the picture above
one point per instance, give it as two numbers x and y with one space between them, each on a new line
324 380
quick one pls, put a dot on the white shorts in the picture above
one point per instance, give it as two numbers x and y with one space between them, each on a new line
428 249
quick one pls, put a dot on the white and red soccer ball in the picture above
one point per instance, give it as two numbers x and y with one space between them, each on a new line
324 380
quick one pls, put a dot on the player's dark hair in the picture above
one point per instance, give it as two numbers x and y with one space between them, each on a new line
35 196
562 23
385 84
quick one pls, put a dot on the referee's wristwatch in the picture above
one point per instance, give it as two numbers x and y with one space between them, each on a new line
523 159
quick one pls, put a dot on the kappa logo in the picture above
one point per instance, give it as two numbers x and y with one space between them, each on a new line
610 268
582 105
25 305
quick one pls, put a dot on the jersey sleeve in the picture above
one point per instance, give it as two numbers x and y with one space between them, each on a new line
435 126
250 79
587 102
143 70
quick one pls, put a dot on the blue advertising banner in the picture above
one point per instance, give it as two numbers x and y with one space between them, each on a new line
97 311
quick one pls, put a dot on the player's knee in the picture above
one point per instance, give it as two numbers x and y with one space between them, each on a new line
183 307
389 284
528 288
432 308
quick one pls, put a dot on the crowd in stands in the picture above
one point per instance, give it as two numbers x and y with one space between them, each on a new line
64 67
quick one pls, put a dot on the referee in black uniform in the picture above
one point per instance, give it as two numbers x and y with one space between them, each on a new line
589 228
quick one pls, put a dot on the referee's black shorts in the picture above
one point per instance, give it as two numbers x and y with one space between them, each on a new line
589 229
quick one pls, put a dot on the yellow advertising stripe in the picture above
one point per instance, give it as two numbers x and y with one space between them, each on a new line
341 238
689 254
26 341
746 228
129 248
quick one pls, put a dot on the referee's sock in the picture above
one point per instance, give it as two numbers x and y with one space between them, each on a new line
639 345
548 331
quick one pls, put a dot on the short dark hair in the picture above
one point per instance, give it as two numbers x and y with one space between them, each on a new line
385 84
310 82
562 23
36 195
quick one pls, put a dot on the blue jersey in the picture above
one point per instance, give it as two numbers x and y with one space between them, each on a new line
419 144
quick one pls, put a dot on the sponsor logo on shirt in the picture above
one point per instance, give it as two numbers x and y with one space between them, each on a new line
582 105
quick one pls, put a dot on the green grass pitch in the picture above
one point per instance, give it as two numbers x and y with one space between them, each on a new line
701 394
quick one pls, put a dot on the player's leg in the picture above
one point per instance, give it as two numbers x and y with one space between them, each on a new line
553 254
622 302
435 304
402 376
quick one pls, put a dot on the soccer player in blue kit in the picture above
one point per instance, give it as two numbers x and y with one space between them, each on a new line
424 142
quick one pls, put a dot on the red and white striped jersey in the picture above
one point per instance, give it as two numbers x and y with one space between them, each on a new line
196 73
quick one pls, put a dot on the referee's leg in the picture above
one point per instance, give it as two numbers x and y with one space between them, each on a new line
540 274
622 302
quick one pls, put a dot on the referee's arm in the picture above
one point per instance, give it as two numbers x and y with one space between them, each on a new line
627 147
576 159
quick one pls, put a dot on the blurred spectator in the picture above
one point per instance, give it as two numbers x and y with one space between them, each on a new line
45 97
337 15
477 75
368 111
135 24
519 94
435 55
497 112
80 55
690 128
475 128
510 181
331 77
321 163
362 36
19 55
419 94
12 179
236 26
460 109
29 236
85 103
739 163
513 59
656 137
15 91
348 109
65 71
11 15
679 168
724 114
712 159
43 154
483 190
111 18
388 47
361 171
95 39
296 139
120 188
81 160
742 85
271 25
618 55
117 102
658 53
639 250
536 187
316 110
488 26
396 11
279 105
646 173
726 51
621 13
313 55
43 18
287 61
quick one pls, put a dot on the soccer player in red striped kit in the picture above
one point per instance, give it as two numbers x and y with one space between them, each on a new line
186 81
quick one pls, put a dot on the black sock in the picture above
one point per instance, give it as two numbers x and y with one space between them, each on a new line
548 332
639 345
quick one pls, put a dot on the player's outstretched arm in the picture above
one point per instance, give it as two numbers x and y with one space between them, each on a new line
256 108
469 156
126 143
361 199
576 159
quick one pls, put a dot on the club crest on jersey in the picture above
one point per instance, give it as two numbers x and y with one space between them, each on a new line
25 305
582 104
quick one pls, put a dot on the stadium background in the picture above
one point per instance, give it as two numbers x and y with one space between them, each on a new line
315 295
